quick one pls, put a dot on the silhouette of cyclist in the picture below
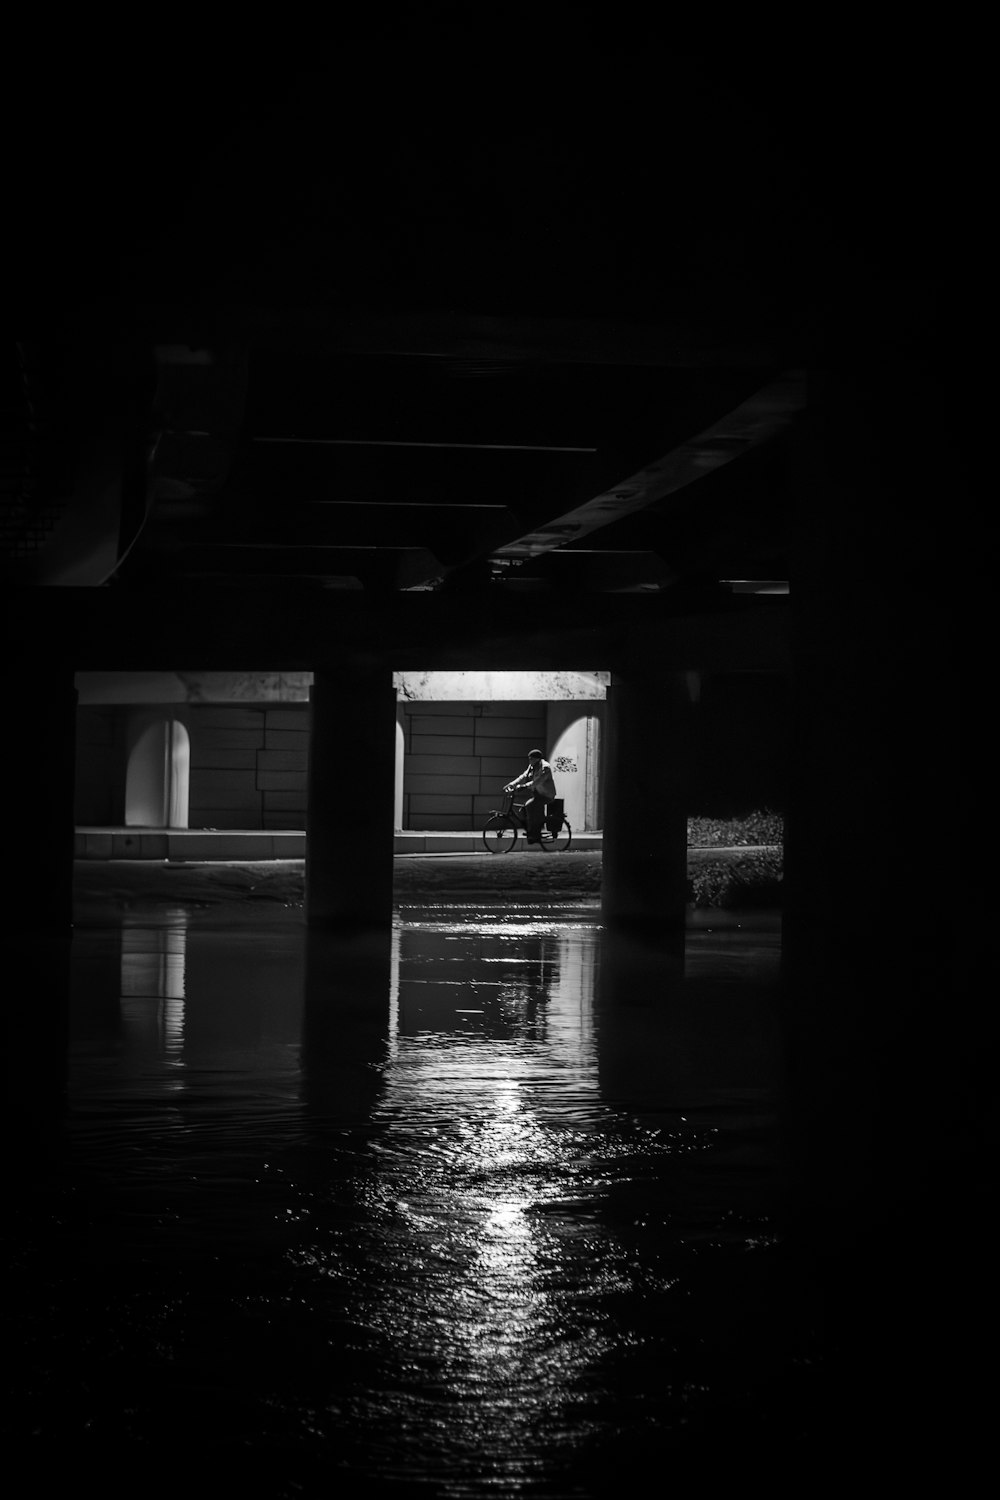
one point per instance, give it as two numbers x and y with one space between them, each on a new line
537 776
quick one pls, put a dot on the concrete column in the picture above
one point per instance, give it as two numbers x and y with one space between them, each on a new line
349 824
886 1016
882 1043
38 758
646 768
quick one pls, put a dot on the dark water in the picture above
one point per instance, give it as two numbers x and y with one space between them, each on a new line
481 1208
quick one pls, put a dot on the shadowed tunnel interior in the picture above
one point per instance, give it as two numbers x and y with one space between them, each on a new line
632 359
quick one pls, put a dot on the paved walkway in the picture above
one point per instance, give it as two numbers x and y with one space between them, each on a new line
572 876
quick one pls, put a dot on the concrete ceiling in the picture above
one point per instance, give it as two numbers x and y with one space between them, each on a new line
356 332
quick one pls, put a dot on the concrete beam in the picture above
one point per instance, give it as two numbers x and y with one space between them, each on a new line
247 630
765 414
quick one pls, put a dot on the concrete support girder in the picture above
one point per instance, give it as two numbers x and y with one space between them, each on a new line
761 417
235 629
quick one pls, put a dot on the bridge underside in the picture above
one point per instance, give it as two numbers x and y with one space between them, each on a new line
462 398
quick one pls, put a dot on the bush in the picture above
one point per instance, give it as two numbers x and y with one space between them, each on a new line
750 881
741 881
764 827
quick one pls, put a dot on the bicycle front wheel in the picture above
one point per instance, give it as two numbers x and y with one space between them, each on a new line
559 840
499 835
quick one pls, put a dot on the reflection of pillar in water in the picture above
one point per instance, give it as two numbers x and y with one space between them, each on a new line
570 1008
347 1024
394 992
152 986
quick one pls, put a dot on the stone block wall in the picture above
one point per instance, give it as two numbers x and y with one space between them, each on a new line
248 766
459 755
249 761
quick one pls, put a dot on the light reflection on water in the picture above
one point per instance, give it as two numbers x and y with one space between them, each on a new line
414 1209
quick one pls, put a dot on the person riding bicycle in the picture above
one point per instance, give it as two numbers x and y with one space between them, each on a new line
538 776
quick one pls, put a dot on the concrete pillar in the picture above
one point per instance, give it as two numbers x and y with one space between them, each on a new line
349 824
882 1044
886 1017
646 769
38 756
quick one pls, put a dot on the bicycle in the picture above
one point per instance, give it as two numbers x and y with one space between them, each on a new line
501 827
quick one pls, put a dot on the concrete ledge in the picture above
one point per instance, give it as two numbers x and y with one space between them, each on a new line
189 843
139 844
436 843
91 844
250 845
254 845
220 846
470 843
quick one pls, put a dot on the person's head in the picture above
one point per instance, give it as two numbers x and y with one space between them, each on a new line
535 756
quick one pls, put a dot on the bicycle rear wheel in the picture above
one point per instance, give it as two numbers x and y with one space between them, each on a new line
560 840
499 835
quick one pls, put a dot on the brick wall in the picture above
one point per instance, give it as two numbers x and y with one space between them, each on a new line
249 763
458 756
248 766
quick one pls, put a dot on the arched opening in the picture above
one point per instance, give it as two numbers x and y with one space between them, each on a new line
158 776
573 747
